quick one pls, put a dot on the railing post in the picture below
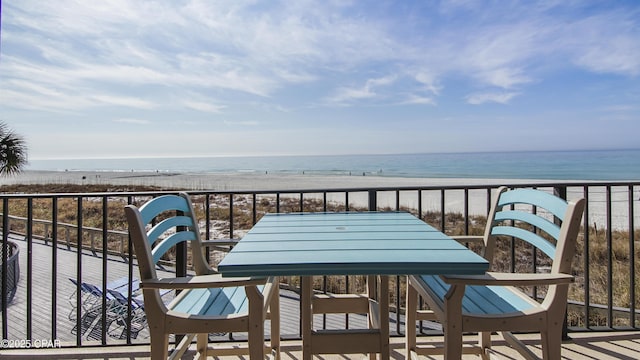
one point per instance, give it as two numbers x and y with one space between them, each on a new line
181 257
4 256
373 200
560 191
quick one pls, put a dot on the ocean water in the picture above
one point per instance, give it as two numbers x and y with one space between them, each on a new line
553 165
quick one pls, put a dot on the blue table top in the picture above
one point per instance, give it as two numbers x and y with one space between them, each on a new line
368 243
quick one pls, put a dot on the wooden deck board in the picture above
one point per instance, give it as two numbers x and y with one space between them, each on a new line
588 345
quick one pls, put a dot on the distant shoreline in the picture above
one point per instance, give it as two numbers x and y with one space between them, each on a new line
255 182
592 165
243 181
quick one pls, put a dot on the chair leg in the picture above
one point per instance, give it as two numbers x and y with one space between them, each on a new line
159 345
274 309
202 344
256 322
453 322
484 341
552 342
410 320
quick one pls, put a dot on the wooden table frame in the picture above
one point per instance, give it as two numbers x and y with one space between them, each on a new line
374 244
375 303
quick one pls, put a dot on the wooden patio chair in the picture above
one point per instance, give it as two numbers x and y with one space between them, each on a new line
208 303
494 301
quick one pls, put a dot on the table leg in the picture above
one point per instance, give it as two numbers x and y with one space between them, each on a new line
307 315
384 317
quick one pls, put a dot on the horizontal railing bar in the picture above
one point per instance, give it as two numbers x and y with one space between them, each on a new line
331 190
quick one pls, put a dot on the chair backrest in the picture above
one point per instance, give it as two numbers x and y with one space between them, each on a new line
543 220
158 226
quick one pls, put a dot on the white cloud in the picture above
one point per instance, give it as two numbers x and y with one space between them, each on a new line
241 123
608 42
122 101
619 56
481 98
133 121
429 81
204 106
419 100
345 95
503 77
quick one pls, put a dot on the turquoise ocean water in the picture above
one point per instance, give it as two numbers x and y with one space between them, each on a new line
555 165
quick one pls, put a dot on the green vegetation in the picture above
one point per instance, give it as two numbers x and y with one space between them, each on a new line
13 151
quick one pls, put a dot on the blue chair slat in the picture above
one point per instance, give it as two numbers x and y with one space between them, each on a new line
533 239
535 220
168 242
158 205
495 300
167 224
212 301
194 300
245 305
440 288
555 205
478 299
233 300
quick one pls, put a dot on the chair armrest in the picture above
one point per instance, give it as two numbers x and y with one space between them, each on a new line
220 242
508 279
201 281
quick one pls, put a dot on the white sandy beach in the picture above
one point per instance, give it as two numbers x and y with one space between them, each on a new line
277 182
241 181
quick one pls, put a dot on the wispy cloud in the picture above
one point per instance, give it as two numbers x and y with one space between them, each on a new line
132 121
204 106
122 101
241 123
419 100
346 95
500 98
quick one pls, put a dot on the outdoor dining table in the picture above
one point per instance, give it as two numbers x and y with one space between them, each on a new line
375 244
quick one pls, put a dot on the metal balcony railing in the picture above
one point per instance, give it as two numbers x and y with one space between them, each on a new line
83 237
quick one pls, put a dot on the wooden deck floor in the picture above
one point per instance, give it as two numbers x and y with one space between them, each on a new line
594 345
609 345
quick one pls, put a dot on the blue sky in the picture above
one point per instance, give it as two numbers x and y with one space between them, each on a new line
116 78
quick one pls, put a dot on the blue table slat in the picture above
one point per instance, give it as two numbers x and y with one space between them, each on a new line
391 236
333 216
341 244
346 228
393 243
